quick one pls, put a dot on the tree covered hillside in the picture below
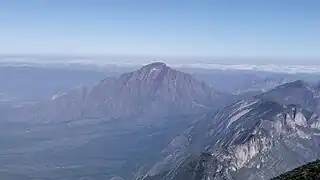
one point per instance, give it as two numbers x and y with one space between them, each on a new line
310 171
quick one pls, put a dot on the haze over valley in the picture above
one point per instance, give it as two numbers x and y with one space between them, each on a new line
159 90
122 125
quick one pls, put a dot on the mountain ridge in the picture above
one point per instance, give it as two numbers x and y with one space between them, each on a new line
246 140
154 89
296 92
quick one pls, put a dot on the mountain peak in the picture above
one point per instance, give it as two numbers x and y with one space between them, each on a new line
154 72
156 66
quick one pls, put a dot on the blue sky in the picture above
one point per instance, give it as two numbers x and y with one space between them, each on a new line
198 28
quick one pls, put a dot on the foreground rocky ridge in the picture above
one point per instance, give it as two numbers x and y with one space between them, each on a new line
264 142
251 139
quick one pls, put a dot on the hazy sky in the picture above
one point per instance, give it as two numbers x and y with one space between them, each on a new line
213 28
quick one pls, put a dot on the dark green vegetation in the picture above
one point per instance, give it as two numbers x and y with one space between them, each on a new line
310 171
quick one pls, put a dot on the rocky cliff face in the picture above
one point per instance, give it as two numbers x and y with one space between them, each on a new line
154 89
252 139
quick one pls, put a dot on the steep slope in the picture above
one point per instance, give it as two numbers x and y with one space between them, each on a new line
252 139
154 89
305 172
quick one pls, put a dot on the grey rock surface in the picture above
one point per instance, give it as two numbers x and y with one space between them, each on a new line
257 138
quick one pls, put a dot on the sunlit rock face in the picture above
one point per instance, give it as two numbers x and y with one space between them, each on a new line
252 139
257 138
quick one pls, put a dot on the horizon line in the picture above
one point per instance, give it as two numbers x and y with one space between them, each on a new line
65 55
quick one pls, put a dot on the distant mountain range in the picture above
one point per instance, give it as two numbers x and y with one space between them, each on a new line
257 138
220 64
31 82
153 90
